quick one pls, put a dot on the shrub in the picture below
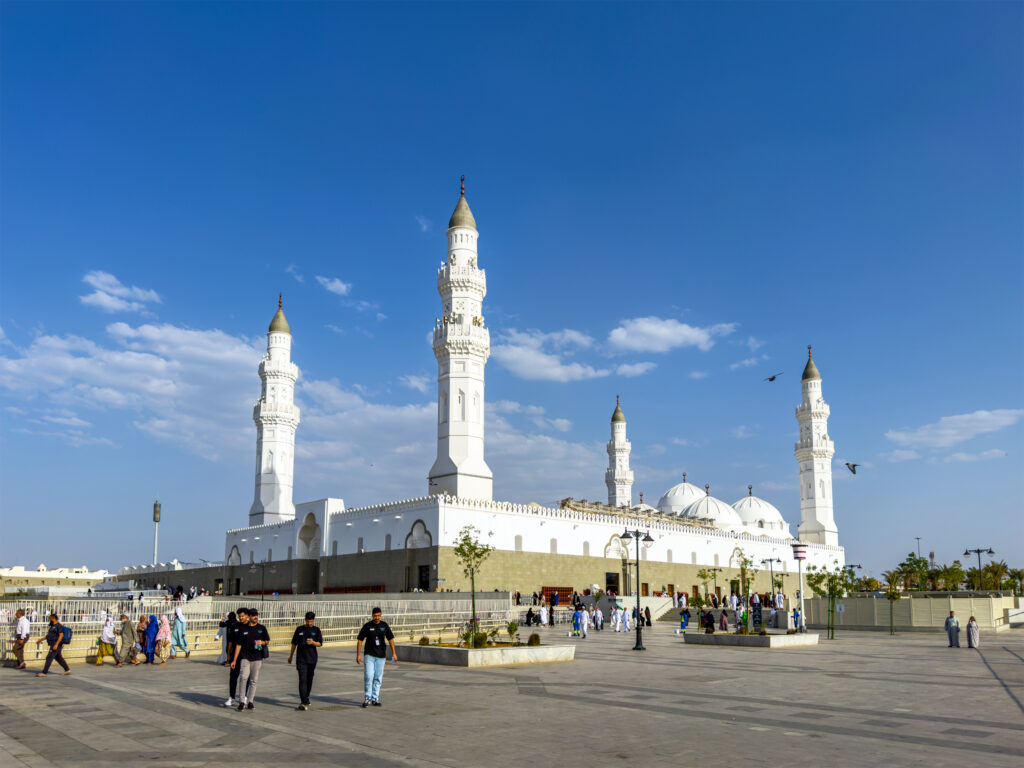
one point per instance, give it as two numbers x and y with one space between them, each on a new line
534 639
424 640
512 628
480 641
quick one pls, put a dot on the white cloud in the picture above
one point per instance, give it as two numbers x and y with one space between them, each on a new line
417 382
774 485
334 285
994 453
336 329
534 412
749 362
635 369
900 454
950 430
562 425
537 356
741 432
294 272
111 295
655 334
753 344
67 419
685 442
698 375
424 223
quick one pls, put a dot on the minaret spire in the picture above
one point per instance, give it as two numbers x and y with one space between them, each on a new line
462 345
619 477
814 455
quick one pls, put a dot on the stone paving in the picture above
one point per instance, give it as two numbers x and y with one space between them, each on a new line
863 699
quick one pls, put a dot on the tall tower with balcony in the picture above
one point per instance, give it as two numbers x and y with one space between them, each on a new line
276 418
462 345
619 477
814 454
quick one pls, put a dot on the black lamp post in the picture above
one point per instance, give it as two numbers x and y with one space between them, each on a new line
771 571
981 576
714 575
647 539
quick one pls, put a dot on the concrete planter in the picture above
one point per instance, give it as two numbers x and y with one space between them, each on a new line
485 657
752 641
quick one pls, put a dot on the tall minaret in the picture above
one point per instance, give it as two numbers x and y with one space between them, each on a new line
462 345
276 418
619 477
814 454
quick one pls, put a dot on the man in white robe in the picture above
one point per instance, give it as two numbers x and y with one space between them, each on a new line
543 615
625 620
780 601
953 630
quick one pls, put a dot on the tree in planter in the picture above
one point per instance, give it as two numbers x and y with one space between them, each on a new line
834 584
705 576
471 554
512 628
892 594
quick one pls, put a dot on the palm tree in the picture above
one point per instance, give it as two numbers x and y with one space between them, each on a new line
997 572
892 593
1017 575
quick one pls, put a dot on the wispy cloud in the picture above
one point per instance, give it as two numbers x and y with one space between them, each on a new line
748 362
900 454
631 370
111 295
753 344
417 382
655 334
336 329
994 453
424 223
294 272
698 375
742 432
538 356
950 430
334 285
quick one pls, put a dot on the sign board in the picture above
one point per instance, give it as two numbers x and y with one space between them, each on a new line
841 608
757 617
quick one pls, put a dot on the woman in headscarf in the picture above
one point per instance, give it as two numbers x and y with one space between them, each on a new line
178 636
108 639
129 637
972 633
723 621
152 627
163 640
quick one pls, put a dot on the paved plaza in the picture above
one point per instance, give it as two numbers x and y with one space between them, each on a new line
863 699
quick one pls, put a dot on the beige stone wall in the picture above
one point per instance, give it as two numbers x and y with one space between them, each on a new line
397 569
529 571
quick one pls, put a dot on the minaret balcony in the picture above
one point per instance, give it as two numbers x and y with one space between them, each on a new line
275 412
271 367
461 278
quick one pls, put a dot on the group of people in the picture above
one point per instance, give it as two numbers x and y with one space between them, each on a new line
953 631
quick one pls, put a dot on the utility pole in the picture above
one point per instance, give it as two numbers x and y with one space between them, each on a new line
918 545
156 528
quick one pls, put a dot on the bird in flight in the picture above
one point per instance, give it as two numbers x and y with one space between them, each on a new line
774 376
852 467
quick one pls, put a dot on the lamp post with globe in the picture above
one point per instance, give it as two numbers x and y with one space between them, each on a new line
646 538
800 554
981 576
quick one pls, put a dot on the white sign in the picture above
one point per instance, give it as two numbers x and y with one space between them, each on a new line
841 608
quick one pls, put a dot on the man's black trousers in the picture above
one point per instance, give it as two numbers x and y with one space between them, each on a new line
305 680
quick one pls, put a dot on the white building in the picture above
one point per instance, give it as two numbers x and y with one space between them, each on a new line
407 544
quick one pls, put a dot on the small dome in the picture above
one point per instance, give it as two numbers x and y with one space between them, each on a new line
759 515
279 324
810 370
617 414
679 497
462 216
721 515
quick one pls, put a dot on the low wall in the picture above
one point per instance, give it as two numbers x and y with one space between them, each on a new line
485 657
801 640
910 614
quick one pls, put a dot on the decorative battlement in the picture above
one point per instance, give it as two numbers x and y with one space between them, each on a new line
461 278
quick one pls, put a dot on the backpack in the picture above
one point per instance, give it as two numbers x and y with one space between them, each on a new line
66 632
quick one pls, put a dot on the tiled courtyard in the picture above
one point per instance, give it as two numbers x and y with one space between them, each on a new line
863 699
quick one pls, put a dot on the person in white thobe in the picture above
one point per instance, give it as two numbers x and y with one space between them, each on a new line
543 615
780 601
625 620
598 618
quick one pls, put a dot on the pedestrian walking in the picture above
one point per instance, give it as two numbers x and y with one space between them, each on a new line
647 615
224 629
253 641
149 648
108 639
953 630
162 644
234 642
375 634
972 633
723 621
129 641
22 630
305 641
178 639
56 637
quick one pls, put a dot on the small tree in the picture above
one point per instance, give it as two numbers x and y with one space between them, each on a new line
512 628
996 573
747 571
892 594
915 570
834 584
1017 577
705 576
471 554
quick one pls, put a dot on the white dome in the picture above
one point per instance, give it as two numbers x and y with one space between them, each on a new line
679 497
758 515
717 511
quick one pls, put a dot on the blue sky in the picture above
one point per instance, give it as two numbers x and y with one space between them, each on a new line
673 201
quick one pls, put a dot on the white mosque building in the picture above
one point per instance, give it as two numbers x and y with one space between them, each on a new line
398 545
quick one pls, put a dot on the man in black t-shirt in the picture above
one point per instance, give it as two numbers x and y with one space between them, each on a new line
376 634
234 637
253 638
306 640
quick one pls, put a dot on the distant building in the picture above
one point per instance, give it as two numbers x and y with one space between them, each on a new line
19 579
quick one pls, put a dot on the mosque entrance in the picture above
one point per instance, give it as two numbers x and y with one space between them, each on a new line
611 582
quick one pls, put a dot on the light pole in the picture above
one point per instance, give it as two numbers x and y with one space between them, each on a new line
800 554
981 576
771 571
156 527
647 539
918 545
714 575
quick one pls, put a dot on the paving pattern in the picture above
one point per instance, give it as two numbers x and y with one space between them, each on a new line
863 699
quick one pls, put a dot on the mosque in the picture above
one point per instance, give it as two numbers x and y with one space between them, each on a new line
321 546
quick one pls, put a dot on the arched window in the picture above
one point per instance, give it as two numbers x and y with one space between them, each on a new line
643 554
693 558
334 547
586 549
387 542
668 556
554 546
443 408
519 543
760 523
252 558
716 557
359 546
270 555
289 553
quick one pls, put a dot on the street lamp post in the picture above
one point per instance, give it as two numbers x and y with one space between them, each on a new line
647 539
800 554
714 575
771 571
918 545
981 576
156 527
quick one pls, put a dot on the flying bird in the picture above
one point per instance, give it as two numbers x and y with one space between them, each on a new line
852 467
774 376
